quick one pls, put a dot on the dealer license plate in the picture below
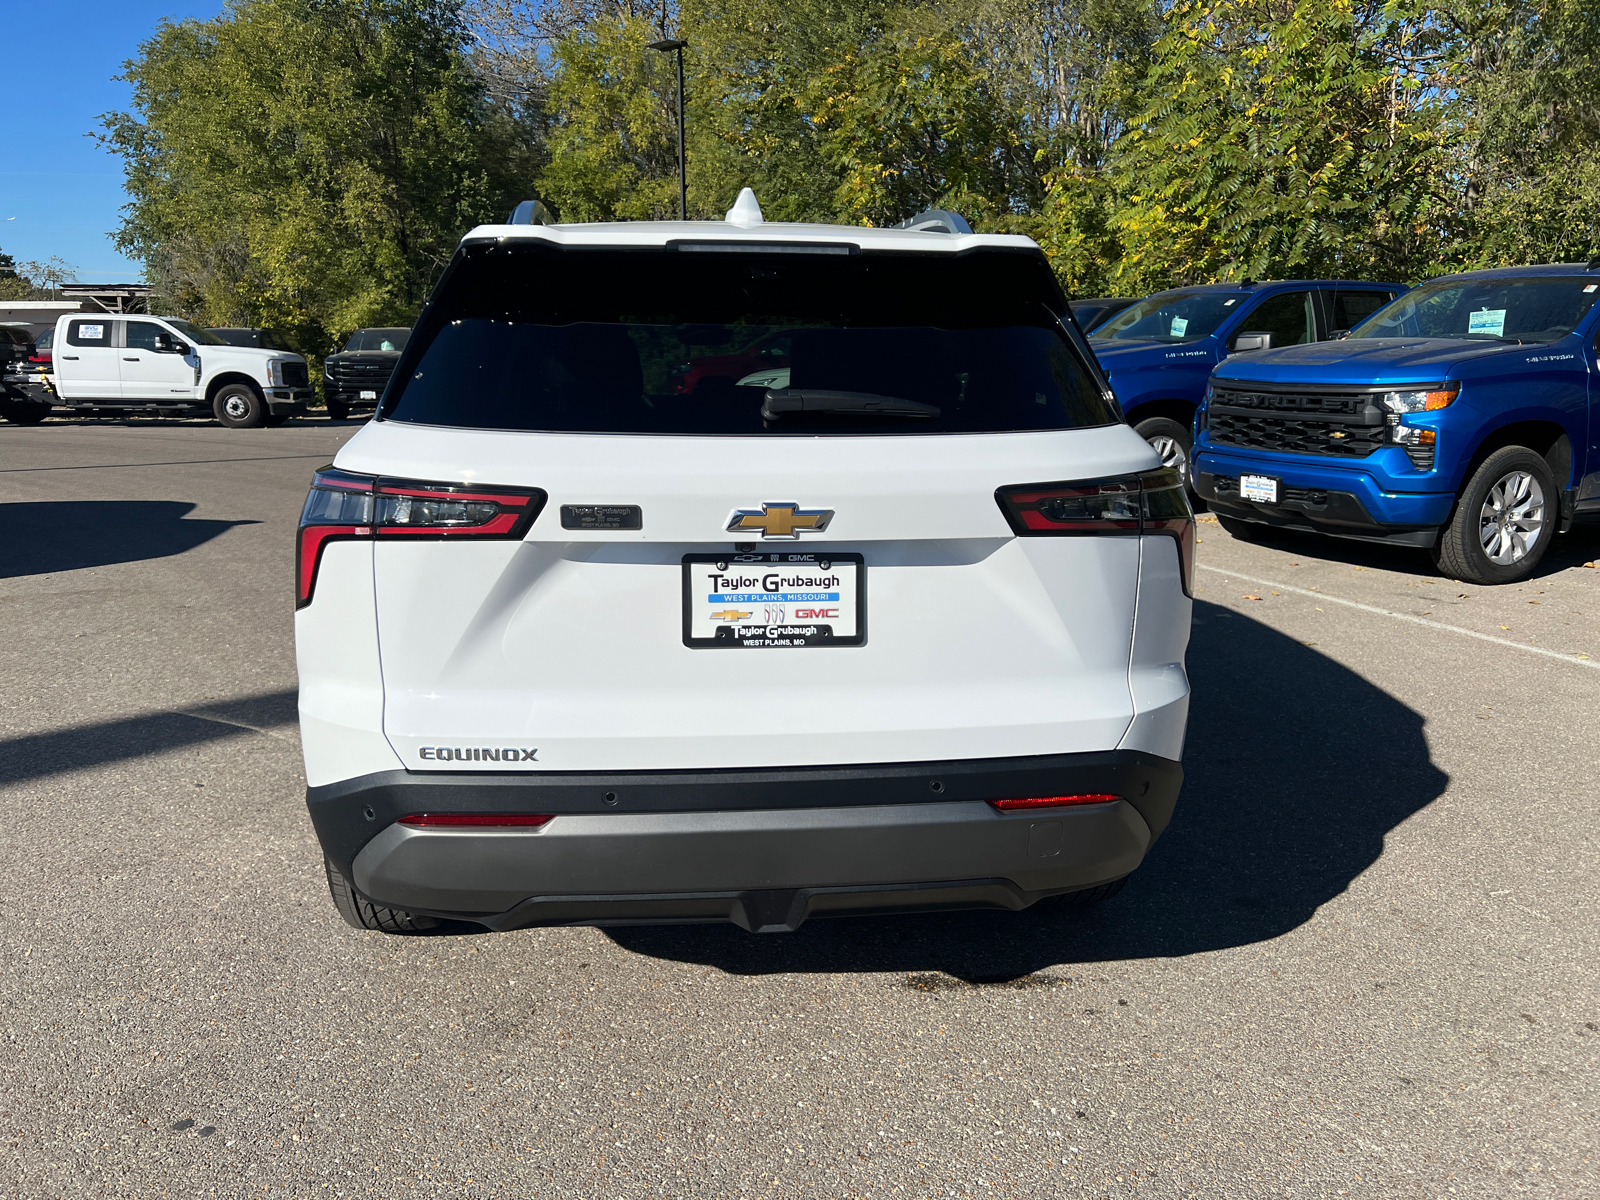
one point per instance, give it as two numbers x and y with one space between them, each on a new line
776 600
369 395
1263 489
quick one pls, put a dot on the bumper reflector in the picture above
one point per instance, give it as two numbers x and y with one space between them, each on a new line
478 820
1030 802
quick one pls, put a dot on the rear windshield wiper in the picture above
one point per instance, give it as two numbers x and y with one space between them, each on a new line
781 402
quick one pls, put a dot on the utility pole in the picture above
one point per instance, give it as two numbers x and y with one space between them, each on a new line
677 45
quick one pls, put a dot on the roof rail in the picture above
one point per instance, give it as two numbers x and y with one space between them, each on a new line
531 212
936 220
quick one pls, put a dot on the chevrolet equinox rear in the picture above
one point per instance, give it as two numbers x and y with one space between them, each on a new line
740 572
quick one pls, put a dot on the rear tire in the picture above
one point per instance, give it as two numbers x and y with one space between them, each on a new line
1172 441
239 406
24 414
361 913
1253 531
1504 522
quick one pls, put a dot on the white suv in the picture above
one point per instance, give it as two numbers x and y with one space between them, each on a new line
626 610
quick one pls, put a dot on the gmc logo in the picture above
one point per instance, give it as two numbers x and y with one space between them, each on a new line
816 614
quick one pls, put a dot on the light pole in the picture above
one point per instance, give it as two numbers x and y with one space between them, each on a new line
677 44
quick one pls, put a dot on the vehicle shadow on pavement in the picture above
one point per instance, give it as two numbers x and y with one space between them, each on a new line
69 535
1297 768
35 755
1579 545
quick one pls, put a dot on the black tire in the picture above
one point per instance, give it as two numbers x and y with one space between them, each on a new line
1253 531
239 406
338 410
1512 504
24 414
1088 897
361 913
1172 441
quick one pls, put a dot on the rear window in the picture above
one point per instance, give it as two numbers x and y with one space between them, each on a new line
736 340
89 333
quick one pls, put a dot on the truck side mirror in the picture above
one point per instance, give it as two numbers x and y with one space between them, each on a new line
1252 339
165 344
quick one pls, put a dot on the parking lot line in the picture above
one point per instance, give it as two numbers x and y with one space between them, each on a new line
1399 616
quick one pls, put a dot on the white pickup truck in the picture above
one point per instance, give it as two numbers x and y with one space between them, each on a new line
107 365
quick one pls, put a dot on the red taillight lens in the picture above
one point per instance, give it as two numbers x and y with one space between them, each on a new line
1054 801
343 505
1152 502
480 820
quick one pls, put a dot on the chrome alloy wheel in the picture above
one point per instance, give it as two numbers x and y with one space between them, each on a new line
1512 518
1172 454
236 406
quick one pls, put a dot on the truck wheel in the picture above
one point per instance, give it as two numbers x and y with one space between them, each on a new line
338 410
361 913
1170 440
1504 520
1253 531
24 414
238 406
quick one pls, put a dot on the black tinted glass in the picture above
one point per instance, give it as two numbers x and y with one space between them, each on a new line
668 341
1352 308
142 335
1287 317
89 333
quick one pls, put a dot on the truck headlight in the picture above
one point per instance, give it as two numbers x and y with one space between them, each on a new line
275 372
1415 402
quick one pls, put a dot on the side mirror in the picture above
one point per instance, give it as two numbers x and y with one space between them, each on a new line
165 344
1252 340
1337 335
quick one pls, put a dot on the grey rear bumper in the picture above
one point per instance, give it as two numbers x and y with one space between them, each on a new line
762 869
762 847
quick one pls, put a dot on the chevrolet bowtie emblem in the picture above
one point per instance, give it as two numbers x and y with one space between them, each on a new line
729 614
780 520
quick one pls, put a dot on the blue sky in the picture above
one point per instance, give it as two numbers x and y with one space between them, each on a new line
60 194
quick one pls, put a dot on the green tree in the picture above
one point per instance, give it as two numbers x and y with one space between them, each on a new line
1279 143
309 164
1528 87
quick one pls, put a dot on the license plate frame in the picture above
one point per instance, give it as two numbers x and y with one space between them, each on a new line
1260 489
366 394
791 633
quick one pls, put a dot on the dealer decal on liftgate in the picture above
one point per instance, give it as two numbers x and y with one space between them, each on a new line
478 754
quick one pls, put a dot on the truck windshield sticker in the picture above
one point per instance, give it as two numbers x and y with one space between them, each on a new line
1590 288
1227 304
1491 321
1180 326
92 333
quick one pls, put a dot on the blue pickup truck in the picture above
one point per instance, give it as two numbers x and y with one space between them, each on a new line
1456 419
1159 352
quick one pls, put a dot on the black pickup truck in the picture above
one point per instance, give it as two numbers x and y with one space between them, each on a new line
356 376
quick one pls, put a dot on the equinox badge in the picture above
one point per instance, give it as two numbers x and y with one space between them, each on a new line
780 520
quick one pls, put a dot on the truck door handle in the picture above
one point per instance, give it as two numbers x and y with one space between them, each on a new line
70 357
135 358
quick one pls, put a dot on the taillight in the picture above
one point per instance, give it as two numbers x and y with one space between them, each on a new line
345 506
479 820
1032 802
1151 502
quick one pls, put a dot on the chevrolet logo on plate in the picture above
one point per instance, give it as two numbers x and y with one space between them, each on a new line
729 614
780 520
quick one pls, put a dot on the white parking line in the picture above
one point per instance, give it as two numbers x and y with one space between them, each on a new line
1399 616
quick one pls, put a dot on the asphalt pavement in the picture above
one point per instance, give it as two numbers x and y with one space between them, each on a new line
1361 962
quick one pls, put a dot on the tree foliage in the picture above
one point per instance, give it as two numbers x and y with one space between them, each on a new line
312 162
309 163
